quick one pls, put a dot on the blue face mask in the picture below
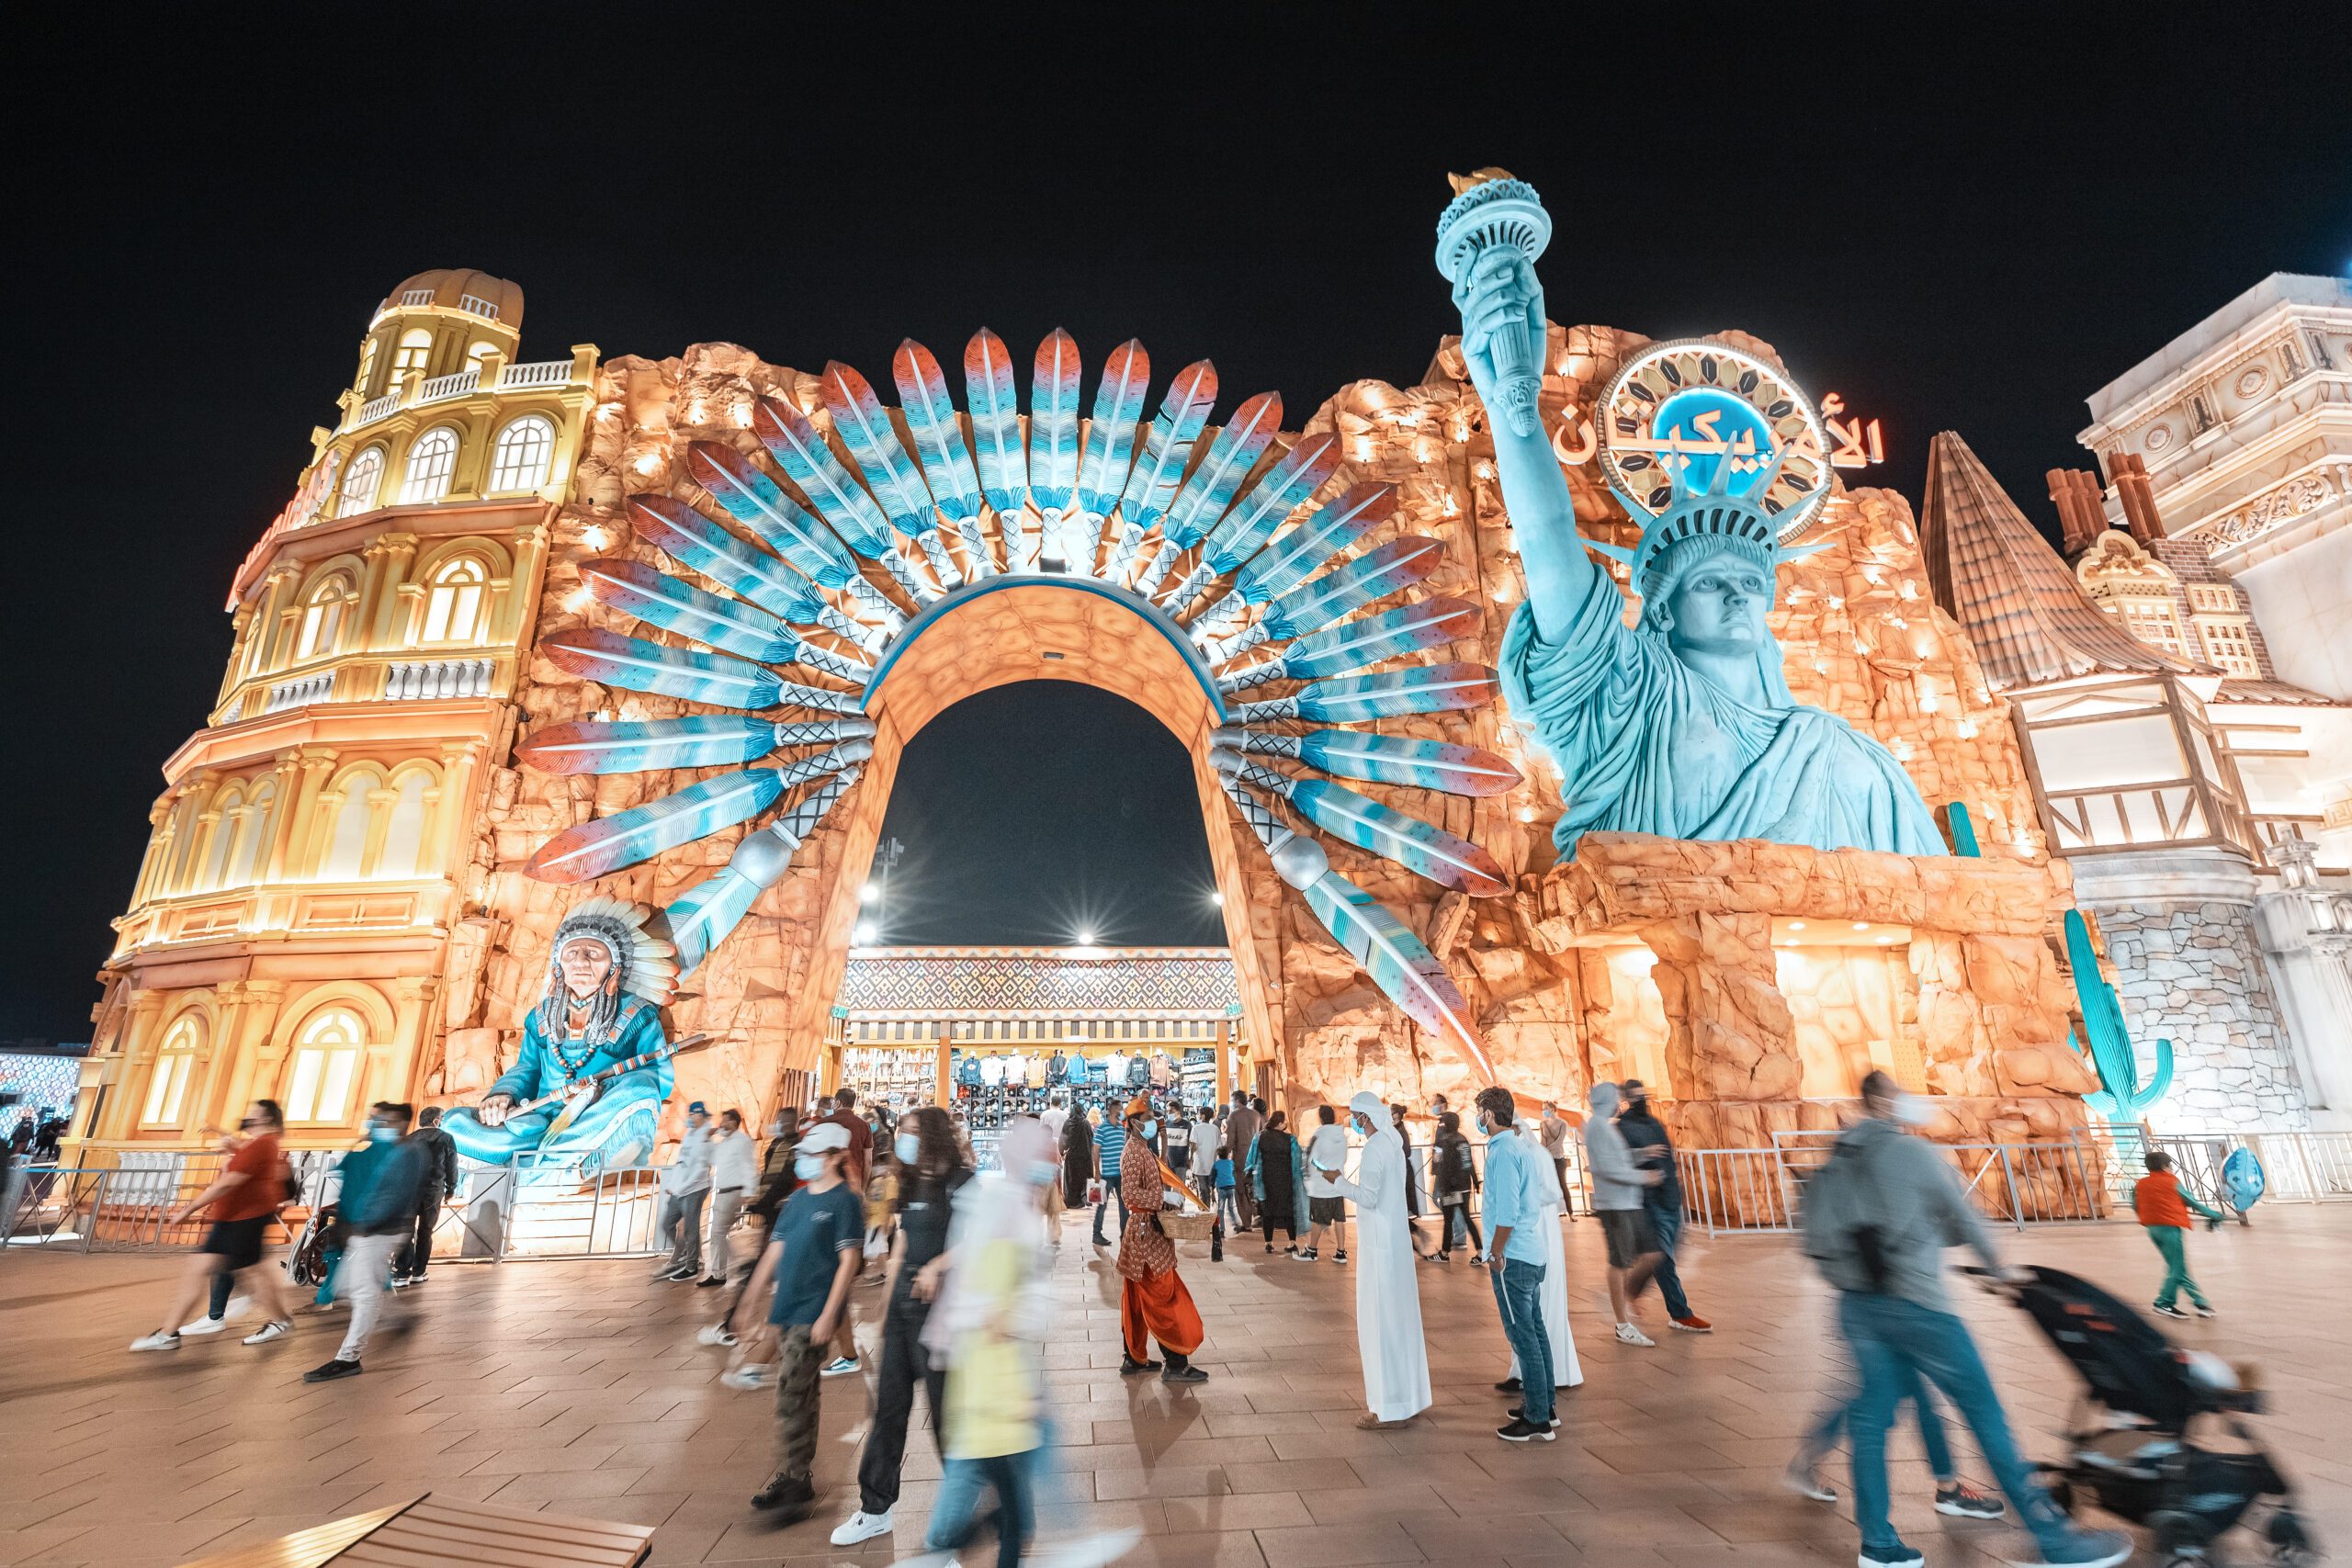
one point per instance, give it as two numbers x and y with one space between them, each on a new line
1151 1129
382 1134
909 1146
808 1166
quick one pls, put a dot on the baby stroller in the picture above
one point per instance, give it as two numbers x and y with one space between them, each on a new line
2129 1432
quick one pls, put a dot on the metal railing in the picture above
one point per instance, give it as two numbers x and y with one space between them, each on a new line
2297 1168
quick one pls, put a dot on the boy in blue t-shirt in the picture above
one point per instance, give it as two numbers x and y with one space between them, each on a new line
1109 1140
818 1247
1226 1198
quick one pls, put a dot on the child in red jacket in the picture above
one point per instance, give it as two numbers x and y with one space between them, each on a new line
2163 1205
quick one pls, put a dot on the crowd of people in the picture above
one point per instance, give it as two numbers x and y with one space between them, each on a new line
852 1199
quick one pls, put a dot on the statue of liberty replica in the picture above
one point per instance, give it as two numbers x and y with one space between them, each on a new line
1682 724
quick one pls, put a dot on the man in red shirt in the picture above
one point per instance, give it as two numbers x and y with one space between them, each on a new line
242 1198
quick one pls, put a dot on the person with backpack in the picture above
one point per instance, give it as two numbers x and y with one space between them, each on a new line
440 1180
1876 1219
1454 1175
2163 1206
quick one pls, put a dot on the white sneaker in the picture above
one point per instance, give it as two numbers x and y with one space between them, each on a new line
205 1325
715 1334
268 1332
1628 1334
863 1526
159 1340
745 1377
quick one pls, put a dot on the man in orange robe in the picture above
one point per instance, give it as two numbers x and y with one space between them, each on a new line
1153 1302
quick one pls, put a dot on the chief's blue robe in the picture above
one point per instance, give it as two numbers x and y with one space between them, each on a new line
616 1130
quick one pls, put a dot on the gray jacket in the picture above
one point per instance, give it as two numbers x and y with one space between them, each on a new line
1616 1180
1903 1187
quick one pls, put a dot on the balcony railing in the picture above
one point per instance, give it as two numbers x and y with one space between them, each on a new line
423 679
452 385
299 693
540 373
376 408
474 305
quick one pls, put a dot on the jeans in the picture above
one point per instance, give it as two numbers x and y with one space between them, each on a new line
904 1364
1230 1206
2177 1279
1832 1421
414 1257
1113 1195
1517 1290
1896 1342
681 1215
1459 1213
1666 1220
952 1523
364 1277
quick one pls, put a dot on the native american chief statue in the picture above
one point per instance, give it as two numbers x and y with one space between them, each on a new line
1682 724
608 981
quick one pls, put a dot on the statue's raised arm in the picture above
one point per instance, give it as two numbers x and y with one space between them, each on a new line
1683 724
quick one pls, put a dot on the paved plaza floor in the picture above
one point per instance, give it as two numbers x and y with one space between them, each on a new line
578 1387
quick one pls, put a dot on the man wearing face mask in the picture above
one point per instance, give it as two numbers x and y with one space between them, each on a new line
1876 1220
734 1171
1388 1298
1153 1303
1619 1202
686 1184
381 1185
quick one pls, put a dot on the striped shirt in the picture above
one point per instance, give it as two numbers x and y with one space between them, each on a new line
1109 1139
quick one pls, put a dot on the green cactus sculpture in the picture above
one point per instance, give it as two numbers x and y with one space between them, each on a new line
2124 1099
1960 830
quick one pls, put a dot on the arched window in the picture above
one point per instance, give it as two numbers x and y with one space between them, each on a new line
350 841
167 1090
404 837
253 854
326 1061
454 602
361 481
322 616
430 462
367 364
416 345
519 461
231 808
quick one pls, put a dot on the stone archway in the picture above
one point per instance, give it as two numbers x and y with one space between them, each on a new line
996 633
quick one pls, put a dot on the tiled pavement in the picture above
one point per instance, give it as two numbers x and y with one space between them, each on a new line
578 1387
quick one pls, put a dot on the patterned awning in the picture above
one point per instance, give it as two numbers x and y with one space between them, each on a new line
1039 983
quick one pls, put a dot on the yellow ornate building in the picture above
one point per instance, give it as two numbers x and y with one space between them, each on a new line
298 898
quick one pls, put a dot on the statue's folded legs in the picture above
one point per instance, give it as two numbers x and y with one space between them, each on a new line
616 1132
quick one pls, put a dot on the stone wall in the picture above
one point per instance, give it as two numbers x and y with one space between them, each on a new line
2195 973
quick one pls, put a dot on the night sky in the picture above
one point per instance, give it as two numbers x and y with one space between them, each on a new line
1964 218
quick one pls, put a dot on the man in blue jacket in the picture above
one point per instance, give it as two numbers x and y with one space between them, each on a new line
382 1185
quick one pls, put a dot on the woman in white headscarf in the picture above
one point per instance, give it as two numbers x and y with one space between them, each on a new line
1389 1295
1553 1295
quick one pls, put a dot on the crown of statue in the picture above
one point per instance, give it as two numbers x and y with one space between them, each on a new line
1715 516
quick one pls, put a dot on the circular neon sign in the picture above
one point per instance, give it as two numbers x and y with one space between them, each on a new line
1692 405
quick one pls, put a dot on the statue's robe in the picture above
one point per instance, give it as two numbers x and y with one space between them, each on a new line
616 1130
1647 744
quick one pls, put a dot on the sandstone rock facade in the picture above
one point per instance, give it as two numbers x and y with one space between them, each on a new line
1573 976
2195 973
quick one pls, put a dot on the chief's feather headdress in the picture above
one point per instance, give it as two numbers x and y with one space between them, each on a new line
644 966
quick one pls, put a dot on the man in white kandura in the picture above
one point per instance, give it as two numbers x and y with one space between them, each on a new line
1388 1294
